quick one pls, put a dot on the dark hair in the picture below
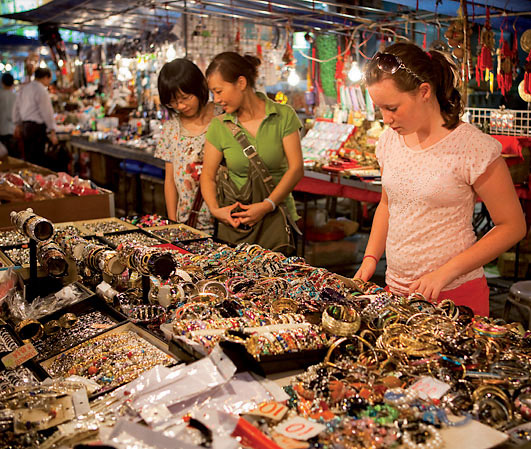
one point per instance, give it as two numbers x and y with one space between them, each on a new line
434 67
231 65
181 75
7 79
41 73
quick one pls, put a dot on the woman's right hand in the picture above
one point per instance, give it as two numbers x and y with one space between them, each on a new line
223 214
366 270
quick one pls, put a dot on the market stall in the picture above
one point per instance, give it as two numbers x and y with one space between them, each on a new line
140 332
180 317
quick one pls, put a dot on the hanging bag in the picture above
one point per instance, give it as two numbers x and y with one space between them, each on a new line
275 230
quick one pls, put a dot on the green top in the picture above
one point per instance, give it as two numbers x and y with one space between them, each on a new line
280 121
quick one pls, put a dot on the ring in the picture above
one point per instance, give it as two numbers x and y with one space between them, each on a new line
67 320
52 327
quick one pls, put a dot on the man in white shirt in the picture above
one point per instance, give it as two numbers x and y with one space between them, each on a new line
7 102
33 116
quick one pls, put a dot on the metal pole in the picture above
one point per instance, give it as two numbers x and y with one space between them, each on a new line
185 29
465 55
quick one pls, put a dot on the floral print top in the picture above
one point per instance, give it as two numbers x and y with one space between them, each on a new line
185 152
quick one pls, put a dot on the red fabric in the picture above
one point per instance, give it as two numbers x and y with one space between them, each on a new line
318 187
474 294
512 144
329 188
361 195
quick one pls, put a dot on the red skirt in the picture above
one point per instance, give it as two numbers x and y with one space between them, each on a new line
474 294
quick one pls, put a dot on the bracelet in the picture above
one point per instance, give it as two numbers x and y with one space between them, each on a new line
370 256
269 200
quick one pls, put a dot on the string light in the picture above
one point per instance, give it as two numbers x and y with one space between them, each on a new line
354 74
293 78
2 66
42 64
60 63
171 54
9 67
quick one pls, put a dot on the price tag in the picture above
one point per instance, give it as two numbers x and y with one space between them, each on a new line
289 443
19 356
299 428
430 388
271 410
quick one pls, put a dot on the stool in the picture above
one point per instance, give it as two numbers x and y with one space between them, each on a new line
519 295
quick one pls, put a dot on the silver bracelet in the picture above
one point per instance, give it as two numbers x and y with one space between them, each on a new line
269 200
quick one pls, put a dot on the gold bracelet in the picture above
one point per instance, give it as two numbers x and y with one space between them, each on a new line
340 320
29 329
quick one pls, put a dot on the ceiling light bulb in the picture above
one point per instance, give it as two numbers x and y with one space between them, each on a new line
44 51
293 78
171 54
9 67
354 74
60 63
42 64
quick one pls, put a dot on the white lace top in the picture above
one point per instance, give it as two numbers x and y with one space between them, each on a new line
431 201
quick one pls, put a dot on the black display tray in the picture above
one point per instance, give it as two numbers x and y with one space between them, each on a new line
244 361
90 304
105 240
31 364
131 217
127 326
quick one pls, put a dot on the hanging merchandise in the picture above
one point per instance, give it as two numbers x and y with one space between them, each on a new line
340 71
370 106
287 57
326 49
527 76
485 64
504 76
456 36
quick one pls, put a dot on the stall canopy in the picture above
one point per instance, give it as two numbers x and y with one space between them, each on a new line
125 18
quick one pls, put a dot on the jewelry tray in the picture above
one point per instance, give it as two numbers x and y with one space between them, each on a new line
244 361
31 364
84 231
105 240
89 304
201 235
142 333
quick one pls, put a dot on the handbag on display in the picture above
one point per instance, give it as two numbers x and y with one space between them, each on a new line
275 230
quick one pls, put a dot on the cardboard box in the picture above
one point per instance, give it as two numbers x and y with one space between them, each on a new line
69 208
325 254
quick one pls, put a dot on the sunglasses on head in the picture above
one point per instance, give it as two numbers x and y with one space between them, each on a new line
389 63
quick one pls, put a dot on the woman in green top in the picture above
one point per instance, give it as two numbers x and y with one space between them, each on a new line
271 127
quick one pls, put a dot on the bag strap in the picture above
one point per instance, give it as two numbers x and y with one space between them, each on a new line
258 164
196 207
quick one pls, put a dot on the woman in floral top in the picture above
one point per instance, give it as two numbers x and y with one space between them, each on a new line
184 92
